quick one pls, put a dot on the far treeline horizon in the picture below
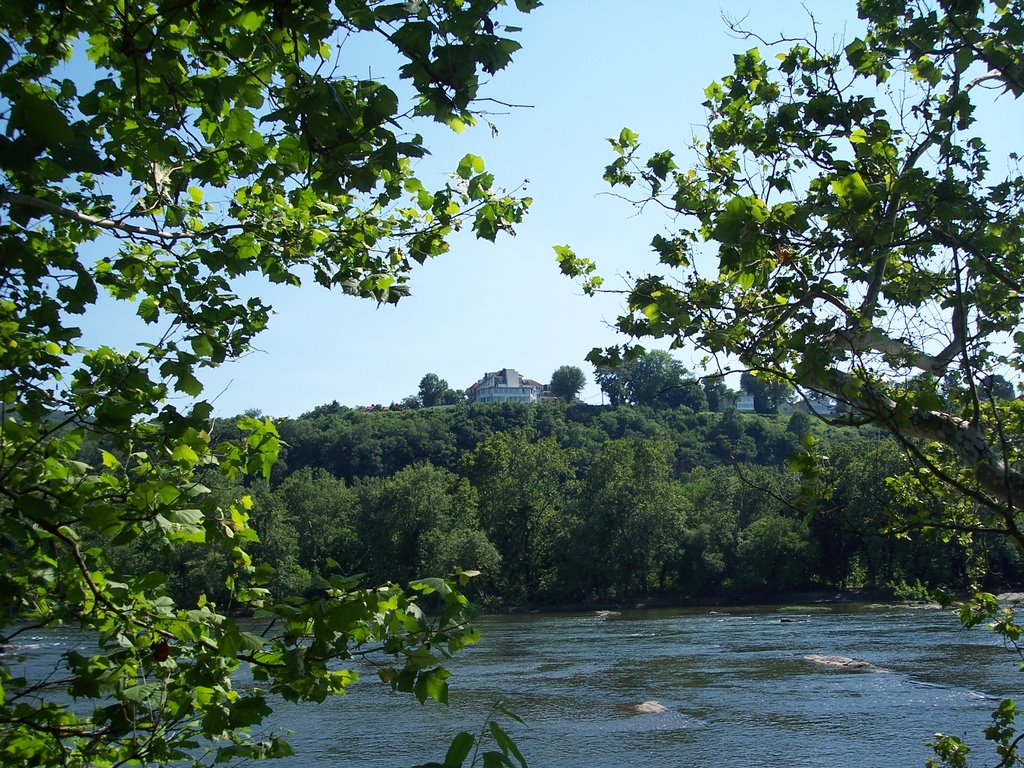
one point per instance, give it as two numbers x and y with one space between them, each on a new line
557 503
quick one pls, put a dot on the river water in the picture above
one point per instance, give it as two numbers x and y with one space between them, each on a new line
736 685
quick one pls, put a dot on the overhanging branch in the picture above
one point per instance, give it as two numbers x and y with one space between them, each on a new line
876 341
119 227
993 475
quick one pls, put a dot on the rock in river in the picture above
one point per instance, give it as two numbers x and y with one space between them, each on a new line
842 662
647 707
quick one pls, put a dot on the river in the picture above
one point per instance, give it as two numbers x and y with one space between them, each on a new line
735 683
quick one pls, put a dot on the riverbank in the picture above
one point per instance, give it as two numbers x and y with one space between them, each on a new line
803 598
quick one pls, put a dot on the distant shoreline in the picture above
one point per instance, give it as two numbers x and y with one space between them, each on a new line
795 599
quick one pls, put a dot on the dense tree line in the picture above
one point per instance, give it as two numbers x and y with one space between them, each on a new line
556 503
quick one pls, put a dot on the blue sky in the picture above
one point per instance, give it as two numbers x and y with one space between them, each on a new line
587 68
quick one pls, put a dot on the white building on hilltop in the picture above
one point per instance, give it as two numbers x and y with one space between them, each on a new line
505 386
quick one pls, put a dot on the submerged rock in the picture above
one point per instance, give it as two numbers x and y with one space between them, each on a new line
842 662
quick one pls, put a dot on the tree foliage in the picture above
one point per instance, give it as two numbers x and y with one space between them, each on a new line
567 382
628 519
718 394
432 390
156 154
768 395
564 495
523 484
653 378
866 246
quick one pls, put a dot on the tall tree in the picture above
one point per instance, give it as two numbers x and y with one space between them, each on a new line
420 516
521 482
156 153
629 520
321 509
653 378
775 553
567 382
996 385
866 243
432 390
718 394
610 381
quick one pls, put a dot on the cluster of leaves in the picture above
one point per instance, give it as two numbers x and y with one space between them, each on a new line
467 746
567 382
157 153
351 444
653 378
434 391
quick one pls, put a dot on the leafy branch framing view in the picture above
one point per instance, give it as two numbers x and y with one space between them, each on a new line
158 153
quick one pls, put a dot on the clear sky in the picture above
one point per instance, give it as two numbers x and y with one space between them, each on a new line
587 69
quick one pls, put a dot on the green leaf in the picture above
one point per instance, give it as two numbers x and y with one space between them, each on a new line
147 694
189 384
432 684
250 21
496 760
185 453
202 346
459 750
628 139
852 192
504 741
469 165
392 11
413 39
40 118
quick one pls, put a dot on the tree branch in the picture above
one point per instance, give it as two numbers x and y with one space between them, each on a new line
119 227
992 474
875 341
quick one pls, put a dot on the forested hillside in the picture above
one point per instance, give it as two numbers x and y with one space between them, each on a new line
557 503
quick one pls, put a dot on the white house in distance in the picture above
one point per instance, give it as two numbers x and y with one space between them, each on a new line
812 402
505 386
745 402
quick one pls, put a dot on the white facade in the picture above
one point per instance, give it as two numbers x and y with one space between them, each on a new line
822 405
745 403
505 386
